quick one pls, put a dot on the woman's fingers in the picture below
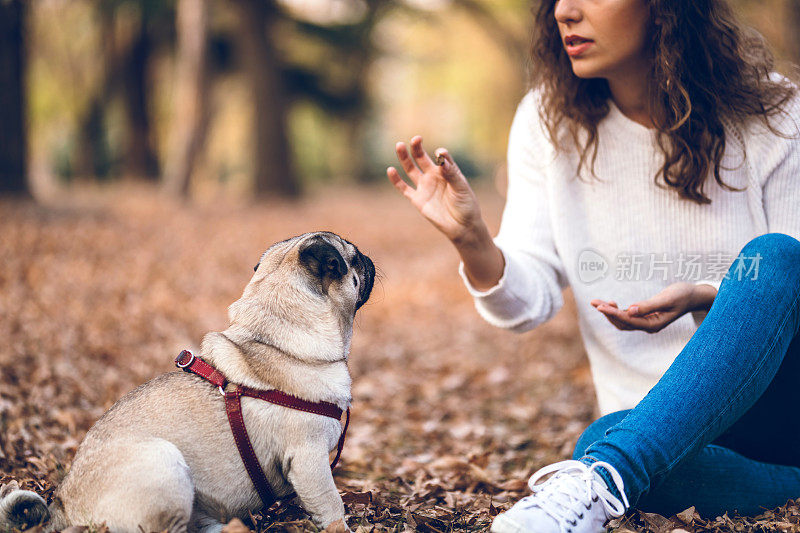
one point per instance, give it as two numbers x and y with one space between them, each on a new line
612 310
444 159
596 302
646 307
653 305
422 159
651 323
421 168
398 182
652 314
450 169
617 323
407 162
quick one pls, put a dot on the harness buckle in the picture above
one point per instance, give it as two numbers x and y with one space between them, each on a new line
184 366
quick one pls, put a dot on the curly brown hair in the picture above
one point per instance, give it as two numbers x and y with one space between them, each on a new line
706 68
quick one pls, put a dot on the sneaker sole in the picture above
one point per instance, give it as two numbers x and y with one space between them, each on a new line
503 524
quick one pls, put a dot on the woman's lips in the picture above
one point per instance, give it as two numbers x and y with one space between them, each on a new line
576 45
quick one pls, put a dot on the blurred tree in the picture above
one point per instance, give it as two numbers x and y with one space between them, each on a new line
140 157
125 59
13 141
336 81
93 157
339 83
191 101
274 173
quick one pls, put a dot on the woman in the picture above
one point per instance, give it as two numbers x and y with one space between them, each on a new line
654 154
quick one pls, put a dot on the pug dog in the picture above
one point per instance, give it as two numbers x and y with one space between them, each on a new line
164 458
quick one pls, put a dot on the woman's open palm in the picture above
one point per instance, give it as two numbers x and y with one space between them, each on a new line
440 193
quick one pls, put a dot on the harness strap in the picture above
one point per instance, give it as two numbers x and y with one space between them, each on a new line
233 409
340 445
293 402
188 362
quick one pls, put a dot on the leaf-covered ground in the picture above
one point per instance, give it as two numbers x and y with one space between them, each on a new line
450 415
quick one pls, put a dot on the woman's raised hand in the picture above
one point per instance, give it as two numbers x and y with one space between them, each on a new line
443 196
440 192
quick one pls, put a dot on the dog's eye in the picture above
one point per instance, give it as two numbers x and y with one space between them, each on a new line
355 281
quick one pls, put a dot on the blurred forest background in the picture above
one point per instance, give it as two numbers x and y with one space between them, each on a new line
213 98
210 98
151 150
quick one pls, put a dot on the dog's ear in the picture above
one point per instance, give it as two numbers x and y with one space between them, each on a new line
321 258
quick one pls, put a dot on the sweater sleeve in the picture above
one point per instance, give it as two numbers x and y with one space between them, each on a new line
529 292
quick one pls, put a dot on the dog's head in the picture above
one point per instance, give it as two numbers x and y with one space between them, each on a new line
306 290
328 264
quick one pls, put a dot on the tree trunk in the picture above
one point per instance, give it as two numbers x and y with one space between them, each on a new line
140 157
273 168
191 105
13 139
94 158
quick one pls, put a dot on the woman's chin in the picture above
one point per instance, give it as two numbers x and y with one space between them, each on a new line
582 70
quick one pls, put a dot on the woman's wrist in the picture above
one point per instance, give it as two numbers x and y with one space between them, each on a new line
483 261
702 297
472 239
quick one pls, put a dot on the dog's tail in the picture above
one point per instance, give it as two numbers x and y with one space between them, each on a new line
21 509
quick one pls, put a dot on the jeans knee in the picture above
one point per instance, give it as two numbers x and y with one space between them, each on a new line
596 431
775 247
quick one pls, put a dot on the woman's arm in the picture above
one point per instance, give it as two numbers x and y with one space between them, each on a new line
776 159
443 196
516 279
703 295
659 311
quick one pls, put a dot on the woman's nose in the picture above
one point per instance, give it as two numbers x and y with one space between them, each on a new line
567 11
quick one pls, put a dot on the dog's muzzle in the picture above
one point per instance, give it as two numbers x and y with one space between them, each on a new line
367 269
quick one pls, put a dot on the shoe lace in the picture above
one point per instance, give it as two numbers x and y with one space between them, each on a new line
572 489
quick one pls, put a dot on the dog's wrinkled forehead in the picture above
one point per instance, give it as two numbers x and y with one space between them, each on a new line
282 248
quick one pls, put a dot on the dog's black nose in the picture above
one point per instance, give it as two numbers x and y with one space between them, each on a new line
322 258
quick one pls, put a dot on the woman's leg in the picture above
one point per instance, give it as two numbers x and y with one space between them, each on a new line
770 430
715 480
723 370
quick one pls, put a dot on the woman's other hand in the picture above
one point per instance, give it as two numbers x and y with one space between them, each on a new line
440 193
656 313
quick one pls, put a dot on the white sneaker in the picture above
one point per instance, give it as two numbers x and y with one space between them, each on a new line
575 499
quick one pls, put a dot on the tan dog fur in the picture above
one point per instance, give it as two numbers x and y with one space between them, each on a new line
163 457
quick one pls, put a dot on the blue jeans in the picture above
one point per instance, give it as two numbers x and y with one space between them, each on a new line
721 428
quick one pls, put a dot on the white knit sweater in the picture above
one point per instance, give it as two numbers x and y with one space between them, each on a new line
591 234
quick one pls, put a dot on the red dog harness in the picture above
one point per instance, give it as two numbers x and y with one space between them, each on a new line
233 408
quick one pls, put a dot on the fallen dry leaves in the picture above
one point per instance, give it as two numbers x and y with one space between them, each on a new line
450 415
